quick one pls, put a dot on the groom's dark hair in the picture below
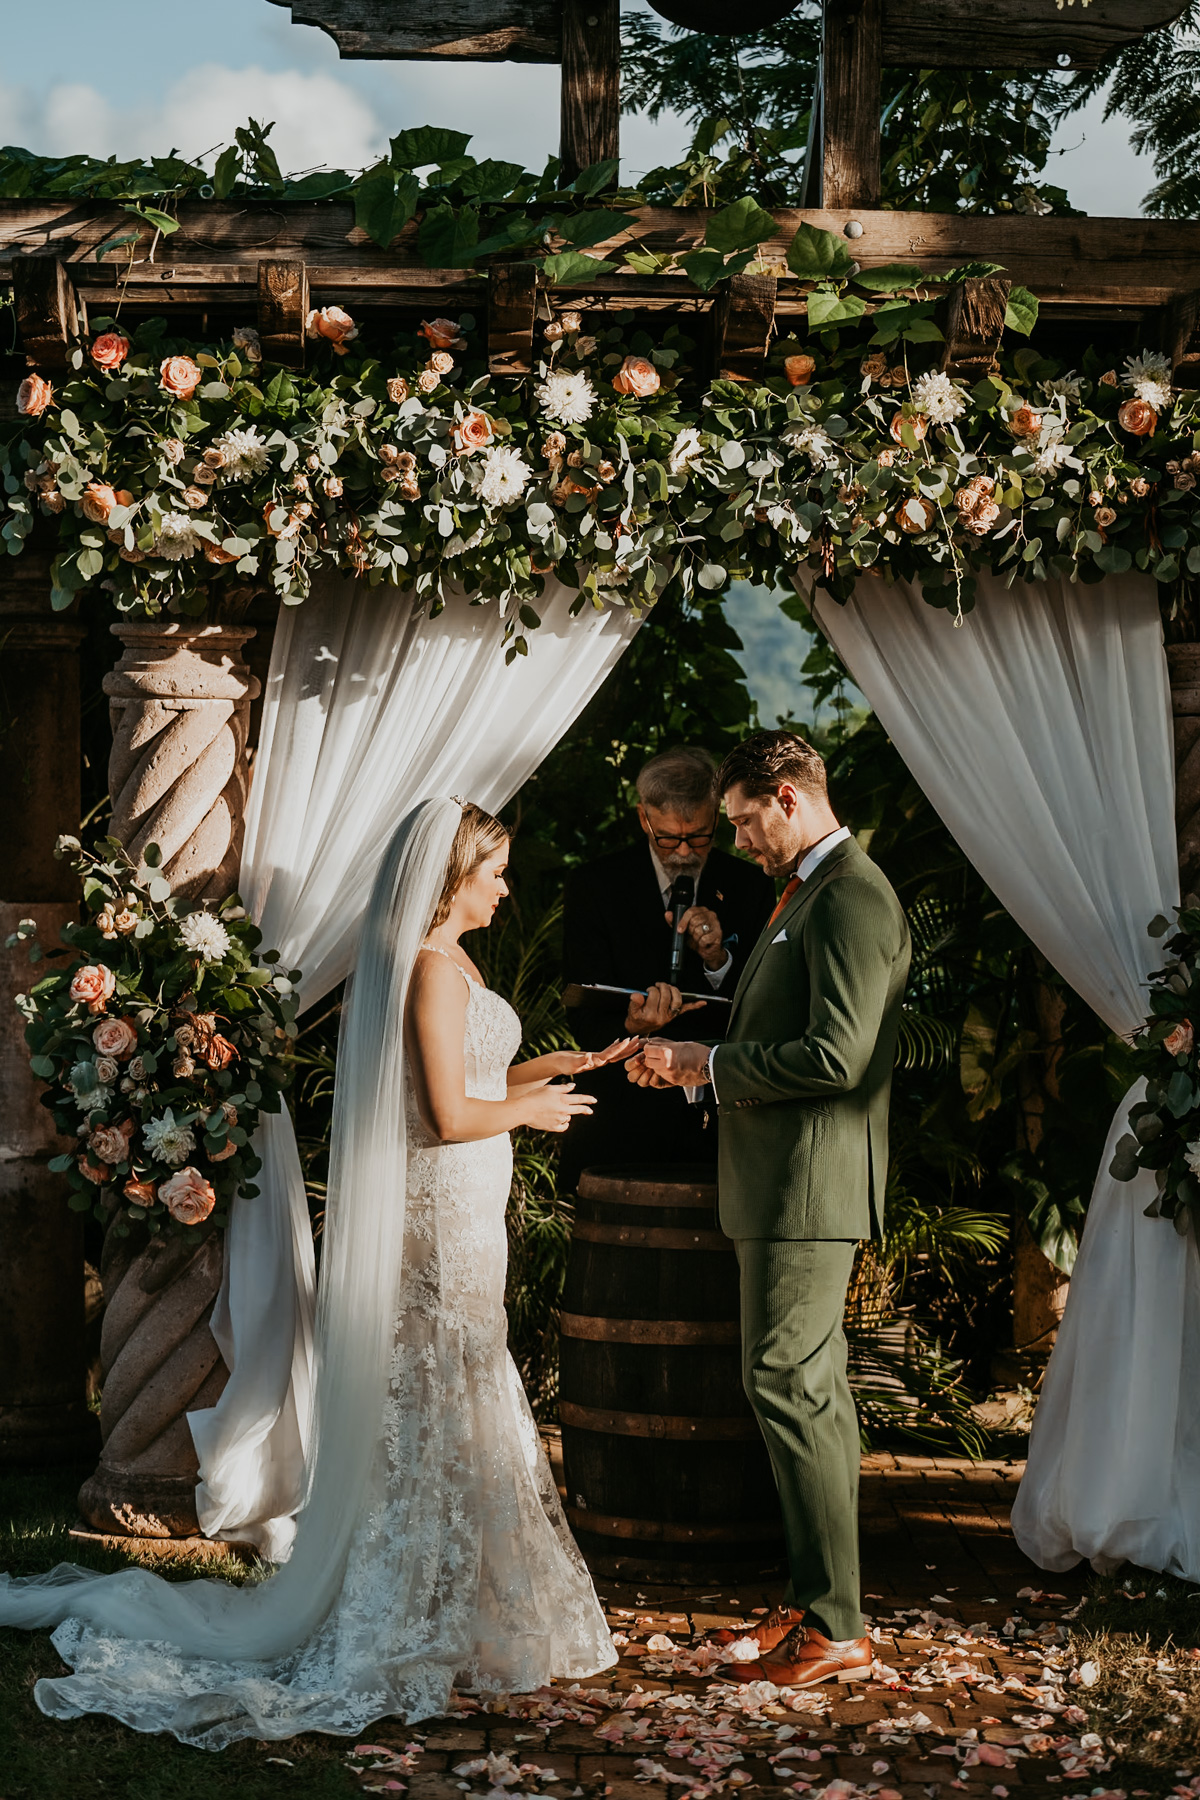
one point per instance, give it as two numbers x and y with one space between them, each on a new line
761 761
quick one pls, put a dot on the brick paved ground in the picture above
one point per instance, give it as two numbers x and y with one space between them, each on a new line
935 1538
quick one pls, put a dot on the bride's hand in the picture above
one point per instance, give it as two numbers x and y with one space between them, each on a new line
552 1108
578 1062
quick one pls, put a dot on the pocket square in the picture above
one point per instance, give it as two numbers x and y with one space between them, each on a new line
780 937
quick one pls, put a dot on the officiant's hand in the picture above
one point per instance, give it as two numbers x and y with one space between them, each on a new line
551 1107
578 1062
665 1063
657 1007
702 928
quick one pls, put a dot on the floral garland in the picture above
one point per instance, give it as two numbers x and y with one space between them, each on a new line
1165 1133
162 1039
179 476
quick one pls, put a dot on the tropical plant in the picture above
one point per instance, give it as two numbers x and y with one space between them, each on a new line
1165 1133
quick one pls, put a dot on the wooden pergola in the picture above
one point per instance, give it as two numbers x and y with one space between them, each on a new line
1127 282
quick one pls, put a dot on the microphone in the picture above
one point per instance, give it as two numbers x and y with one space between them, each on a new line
683 895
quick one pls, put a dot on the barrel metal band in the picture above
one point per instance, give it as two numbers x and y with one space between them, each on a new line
650 1331
678 1428
651 1237
607 1192
746 1531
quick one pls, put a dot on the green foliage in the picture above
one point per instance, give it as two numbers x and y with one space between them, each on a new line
1165 1134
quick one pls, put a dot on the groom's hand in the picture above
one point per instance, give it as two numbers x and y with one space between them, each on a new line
667 1064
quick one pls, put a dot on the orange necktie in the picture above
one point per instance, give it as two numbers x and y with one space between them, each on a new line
786 895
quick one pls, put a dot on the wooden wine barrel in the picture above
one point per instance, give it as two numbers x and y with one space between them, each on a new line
667 1476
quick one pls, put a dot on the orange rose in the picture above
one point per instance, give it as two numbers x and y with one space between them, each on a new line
1180 1041
140 1193
96 1172
180 376
442 334
227 1149
915 515
216 554
637 376
474 432
115 1037
187 1196
919 425
110 350
34 395
1025 422
332 324
98 501
94 984
219 1052
799 369
111 1142
1138 418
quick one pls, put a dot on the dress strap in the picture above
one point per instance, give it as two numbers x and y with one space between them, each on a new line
438 951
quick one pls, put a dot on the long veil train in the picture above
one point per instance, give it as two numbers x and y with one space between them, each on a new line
322 1643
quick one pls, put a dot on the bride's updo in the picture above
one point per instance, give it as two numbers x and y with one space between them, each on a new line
479 836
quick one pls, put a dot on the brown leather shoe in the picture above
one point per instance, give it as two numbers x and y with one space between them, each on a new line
771 1629
805 1658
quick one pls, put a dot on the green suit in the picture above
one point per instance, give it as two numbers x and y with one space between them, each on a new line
802 1085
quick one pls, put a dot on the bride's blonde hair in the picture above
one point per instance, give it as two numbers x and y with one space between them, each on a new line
478 836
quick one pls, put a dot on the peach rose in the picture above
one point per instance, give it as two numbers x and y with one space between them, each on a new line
110 350
187 1196
976 505
218 1053
919 424
180 376
397 389
99 499
115 1037
915 515
111 1142
474 432
194 498
125 921
1180 1041
637 376
442 334
97 1172
34 395
1025 422
886 458
140 1193
94 984
1138 418
1104 516
441 362
228 1148
332 324
800 369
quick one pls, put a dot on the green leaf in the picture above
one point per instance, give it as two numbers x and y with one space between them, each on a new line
115 243
816 255
159 889
825 307
888 278
447 238
644 262
42 1066
591 228
226 172
572 265
741 226
596 176
711 576
1021 313
704 268
426 145
320 185
384 202
58 1165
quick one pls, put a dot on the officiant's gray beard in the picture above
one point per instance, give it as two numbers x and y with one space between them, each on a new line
680 862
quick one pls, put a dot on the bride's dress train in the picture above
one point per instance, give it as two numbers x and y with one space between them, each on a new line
462 1570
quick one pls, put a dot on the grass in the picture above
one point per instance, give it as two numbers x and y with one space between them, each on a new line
45 1759
1141 1634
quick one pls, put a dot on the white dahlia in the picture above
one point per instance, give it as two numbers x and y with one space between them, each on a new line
1191 1157
177 538
935 395
168 1141
501 477
685 450
1066 387
1149 375
815 443
245 454
205 936
567 396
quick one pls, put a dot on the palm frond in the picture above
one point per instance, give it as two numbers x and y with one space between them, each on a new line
904 1384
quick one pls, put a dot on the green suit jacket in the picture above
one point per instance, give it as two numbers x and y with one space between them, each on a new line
803 1078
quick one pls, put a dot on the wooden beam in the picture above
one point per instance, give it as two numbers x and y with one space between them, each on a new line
512 298
591 84
851 60
974 326
49 315
283 310
1180 338
412 30
744 318
1016 34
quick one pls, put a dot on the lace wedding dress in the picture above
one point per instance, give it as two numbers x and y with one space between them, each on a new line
462 1569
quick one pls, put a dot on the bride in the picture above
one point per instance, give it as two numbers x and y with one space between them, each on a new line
431 1548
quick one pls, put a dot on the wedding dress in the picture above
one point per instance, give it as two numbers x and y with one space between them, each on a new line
459 1567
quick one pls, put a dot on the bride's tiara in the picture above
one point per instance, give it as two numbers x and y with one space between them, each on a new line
459 801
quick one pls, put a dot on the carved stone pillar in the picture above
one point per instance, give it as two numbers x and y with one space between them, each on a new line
43 1412
1183 661
179 700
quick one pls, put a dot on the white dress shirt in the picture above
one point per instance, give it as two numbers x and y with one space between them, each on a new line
812 859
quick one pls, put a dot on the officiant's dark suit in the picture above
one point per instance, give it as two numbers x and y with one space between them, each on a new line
616 932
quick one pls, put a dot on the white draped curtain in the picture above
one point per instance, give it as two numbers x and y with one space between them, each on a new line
370 706
1040 730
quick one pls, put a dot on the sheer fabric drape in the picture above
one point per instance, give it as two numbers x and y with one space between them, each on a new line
1040 731
370 705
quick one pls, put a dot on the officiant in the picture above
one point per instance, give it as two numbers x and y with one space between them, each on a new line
618 931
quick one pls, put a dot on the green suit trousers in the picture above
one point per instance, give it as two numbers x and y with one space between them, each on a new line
793 1293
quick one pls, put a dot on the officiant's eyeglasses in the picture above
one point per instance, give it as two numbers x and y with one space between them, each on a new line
695 840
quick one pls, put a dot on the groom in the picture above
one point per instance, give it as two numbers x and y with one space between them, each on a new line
801 1085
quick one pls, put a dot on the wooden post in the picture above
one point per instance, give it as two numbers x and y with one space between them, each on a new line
512 297
1180 338
591 84
852 57
974 326
283 310
743 323
50 315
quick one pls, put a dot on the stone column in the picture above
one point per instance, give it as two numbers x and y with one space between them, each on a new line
43 1413
179 699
